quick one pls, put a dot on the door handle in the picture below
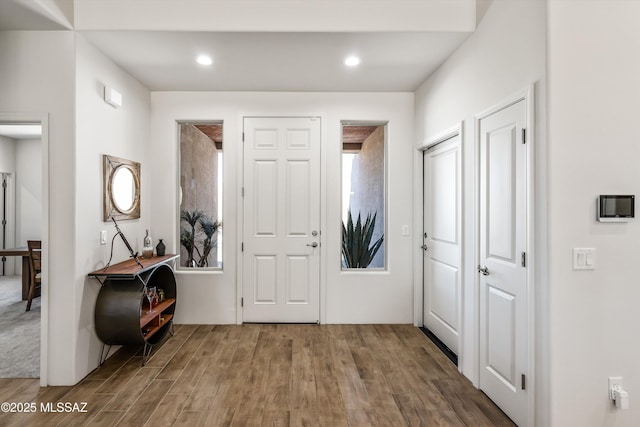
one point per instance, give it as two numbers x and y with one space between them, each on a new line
483 270
313 245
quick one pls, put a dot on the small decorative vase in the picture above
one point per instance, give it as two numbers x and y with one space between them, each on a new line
147 248
160 248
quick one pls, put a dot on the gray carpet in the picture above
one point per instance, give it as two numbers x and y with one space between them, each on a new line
19 332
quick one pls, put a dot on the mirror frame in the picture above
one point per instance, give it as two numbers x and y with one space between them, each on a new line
110 165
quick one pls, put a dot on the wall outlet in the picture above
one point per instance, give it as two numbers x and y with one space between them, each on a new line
103 237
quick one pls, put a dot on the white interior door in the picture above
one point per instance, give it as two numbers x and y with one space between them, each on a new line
281 255
442 241
502 269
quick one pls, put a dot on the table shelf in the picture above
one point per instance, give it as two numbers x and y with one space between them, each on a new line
152 327
158 310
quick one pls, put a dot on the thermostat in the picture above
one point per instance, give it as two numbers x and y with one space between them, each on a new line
616 208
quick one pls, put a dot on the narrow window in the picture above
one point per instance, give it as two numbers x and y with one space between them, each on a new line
363 196
200 219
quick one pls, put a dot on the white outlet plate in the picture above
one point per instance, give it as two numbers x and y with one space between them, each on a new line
614 381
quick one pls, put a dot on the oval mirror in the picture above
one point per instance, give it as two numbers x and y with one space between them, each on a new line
121 188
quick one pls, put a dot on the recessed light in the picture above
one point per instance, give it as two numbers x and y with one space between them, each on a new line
204 60
352 61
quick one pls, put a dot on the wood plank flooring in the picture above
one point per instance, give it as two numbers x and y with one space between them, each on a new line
269 375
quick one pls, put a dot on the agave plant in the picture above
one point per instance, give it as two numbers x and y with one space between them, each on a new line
357 250
198 222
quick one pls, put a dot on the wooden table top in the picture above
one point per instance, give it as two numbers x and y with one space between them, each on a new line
21 251
130 268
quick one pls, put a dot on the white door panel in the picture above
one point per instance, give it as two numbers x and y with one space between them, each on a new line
503 292
442 224
501 146
299 197
501 346
265 279
281 270
265 197
442 294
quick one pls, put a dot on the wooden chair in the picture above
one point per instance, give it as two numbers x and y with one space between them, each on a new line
35 266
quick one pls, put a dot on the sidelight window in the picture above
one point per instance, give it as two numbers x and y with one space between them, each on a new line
200 171
363 196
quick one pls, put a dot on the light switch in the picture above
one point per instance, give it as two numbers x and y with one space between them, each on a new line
584 258
103 237
405 230
588 261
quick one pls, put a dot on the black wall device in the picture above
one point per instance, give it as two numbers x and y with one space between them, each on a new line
616 208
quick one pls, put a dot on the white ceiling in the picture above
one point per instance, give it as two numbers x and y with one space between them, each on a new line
391 61
35 15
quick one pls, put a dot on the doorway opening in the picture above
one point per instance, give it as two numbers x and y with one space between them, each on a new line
22 219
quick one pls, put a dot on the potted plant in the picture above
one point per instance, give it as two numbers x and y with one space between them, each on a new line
197 235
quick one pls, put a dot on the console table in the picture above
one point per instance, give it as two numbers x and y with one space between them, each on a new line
121 308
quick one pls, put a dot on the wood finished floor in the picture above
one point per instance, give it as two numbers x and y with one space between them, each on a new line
270 375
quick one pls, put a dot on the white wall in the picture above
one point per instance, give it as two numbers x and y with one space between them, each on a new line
31 62
37 77
503 56
7 155
28 190
103 129
594 87
347 297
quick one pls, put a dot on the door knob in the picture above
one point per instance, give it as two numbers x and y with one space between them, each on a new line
483 270
313 245
424 247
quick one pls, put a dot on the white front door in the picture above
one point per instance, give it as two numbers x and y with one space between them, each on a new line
502 269
281 254
442 241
